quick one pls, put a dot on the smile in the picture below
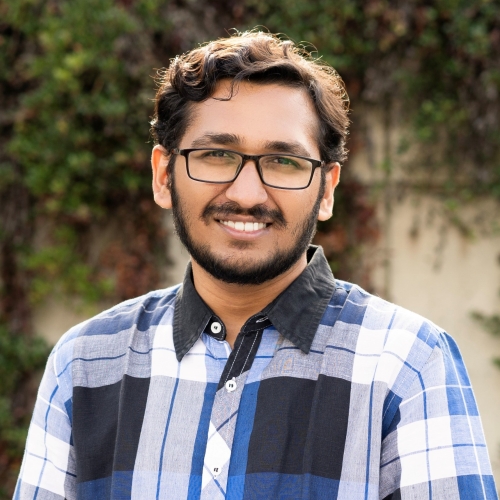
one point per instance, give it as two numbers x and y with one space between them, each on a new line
246 227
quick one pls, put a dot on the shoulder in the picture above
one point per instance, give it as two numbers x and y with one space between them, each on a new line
387 343
381 322
108 332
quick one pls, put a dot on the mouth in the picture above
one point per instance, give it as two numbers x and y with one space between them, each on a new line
244 227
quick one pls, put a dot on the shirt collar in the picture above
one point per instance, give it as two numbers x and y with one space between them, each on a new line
295 313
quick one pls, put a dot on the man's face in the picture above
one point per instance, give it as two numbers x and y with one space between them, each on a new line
258 119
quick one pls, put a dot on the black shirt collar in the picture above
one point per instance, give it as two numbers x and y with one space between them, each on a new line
295 313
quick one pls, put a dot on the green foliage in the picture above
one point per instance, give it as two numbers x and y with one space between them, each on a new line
19 359
79 133
80 126
60 262
491 324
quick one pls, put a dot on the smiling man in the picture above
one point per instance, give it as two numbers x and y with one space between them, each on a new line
260 376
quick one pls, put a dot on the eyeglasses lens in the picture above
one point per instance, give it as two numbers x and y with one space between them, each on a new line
215 165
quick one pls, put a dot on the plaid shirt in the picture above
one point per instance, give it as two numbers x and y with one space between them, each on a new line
329 392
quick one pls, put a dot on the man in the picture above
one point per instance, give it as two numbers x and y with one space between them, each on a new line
261 376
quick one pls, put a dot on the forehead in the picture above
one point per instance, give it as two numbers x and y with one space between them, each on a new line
256 114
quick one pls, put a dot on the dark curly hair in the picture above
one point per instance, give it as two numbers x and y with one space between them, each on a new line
257 57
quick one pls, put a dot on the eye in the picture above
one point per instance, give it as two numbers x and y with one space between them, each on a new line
216 153
285 162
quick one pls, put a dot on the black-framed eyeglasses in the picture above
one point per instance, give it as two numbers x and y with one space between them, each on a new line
220 166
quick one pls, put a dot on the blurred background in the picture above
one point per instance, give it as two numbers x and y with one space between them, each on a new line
417 213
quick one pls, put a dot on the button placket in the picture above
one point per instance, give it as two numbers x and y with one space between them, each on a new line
225 409
221 435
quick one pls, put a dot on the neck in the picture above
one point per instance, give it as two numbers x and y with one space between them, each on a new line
233 303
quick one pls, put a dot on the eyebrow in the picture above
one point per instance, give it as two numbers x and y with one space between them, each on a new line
226 139
294 148
209 139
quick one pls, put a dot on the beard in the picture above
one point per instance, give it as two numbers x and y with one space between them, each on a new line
241 271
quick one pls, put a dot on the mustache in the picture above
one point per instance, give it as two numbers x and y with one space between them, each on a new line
258 212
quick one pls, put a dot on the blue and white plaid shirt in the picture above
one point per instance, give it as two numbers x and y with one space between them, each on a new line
329 393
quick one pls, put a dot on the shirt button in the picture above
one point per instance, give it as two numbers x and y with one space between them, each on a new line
216 327
216 471
231 385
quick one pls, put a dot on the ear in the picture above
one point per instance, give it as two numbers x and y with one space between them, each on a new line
332 179
159 162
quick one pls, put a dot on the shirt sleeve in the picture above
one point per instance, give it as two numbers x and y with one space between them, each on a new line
435 447
48 469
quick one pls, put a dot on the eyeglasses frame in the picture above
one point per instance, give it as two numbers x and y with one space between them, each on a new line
244 160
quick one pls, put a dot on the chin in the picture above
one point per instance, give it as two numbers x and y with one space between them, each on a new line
237 269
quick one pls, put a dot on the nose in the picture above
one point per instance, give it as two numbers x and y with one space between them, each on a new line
247 189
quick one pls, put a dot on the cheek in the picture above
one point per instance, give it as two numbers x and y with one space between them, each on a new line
194 196
297 208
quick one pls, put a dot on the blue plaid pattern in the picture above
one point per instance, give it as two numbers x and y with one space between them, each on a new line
380 408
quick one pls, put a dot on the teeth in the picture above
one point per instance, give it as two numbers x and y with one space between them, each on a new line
244 226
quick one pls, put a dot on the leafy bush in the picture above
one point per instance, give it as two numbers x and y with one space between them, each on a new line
19 359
